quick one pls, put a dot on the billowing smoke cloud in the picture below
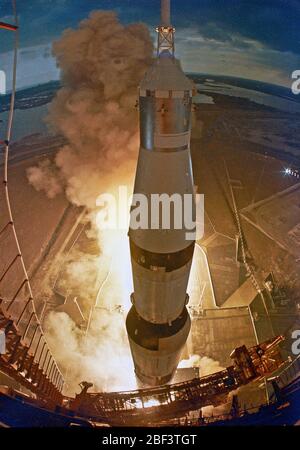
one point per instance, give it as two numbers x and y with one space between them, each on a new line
100 356
46 178
101 63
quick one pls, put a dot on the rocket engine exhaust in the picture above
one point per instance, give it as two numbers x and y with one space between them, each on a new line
158 323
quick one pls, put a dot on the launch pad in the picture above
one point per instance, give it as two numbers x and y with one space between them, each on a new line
164 405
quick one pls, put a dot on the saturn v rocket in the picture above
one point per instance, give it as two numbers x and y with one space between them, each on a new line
158 322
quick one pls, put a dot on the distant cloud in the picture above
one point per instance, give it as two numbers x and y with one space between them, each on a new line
234 54
36 65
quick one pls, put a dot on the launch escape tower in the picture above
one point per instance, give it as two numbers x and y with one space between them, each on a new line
158 323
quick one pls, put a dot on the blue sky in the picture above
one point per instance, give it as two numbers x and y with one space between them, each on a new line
258 39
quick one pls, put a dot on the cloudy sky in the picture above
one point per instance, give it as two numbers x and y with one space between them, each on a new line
257 39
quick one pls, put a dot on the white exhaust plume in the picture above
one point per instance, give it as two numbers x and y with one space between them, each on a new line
206 365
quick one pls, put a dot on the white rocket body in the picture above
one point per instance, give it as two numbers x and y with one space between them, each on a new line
158 323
